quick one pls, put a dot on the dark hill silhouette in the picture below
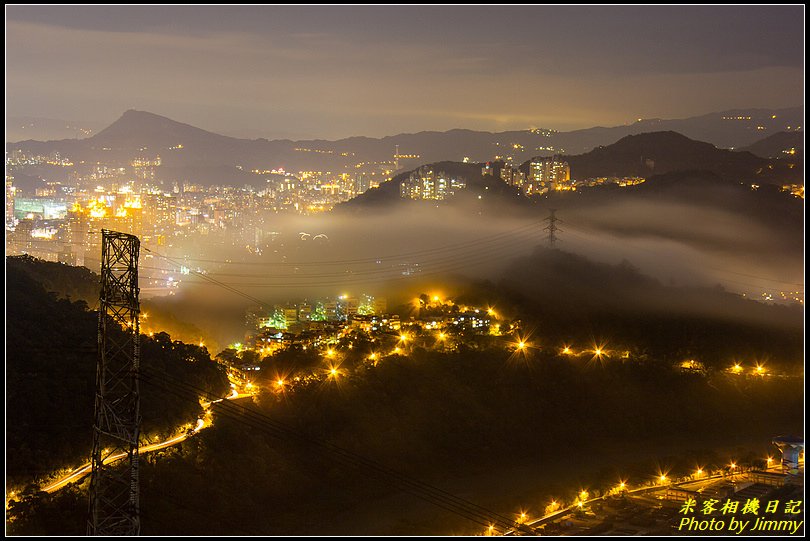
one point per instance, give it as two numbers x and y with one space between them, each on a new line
567 291
82 284
490 188
68 282
774 145
51 351
657 153
692 172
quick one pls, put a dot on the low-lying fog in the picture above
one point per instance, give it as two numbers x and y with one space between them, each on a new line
413 248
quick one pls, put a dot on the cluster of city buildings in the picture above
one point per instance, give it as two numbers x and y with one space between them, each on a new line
57 219
298 315
544 175
552 174
426 184
53 219
57 223
431 320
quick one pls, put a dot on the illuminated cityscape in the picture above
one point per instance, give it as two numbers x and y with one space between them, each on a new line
404 270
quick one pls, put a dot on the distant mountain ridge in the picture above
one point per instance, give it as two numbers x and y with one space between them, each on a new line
777 145
730 129
666 159
192 154
657 153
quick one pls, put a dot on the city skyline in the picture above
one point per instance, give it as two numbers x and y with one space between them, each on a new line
331 72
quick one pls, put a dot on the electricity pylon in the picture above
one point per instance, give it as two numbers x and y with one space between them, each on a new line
552 228
113 508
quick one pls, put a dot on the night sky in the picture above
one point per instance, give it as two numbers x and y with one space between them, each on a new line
330 72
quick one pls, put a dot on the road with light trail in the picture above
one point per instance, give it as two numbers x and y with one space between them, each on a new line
82 471
693 484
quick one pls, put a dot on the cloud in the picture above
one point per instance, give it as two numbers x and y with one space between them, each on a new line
561 69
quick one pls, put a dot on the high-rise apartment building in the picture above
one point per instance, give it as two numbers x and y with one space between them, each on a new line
427 184
547 174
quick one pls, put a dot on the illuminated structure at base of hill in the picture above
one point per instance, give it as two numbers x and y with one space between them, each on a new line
792 447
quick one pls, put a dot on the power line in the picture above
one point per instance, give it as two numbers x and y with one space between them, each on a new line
375 266
359 279
426 492
439 261
423 490
443 249
198 511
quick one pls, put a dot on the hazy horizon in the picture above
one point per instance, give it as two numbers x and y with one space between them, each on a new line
257 133
330 72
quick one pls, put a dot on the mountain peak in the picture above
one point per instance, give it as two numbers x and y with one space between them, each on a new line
135 113
659 137
655 153
136 129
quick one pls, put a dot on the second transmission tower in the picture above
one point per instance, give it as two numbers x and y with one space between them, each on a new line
552 227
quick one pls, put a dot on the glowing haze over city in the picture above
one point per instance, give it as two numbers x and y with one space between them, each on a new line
404 270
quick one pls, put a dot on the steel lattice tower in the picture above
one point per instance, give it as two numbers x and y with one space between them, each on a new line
114 486
552 227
